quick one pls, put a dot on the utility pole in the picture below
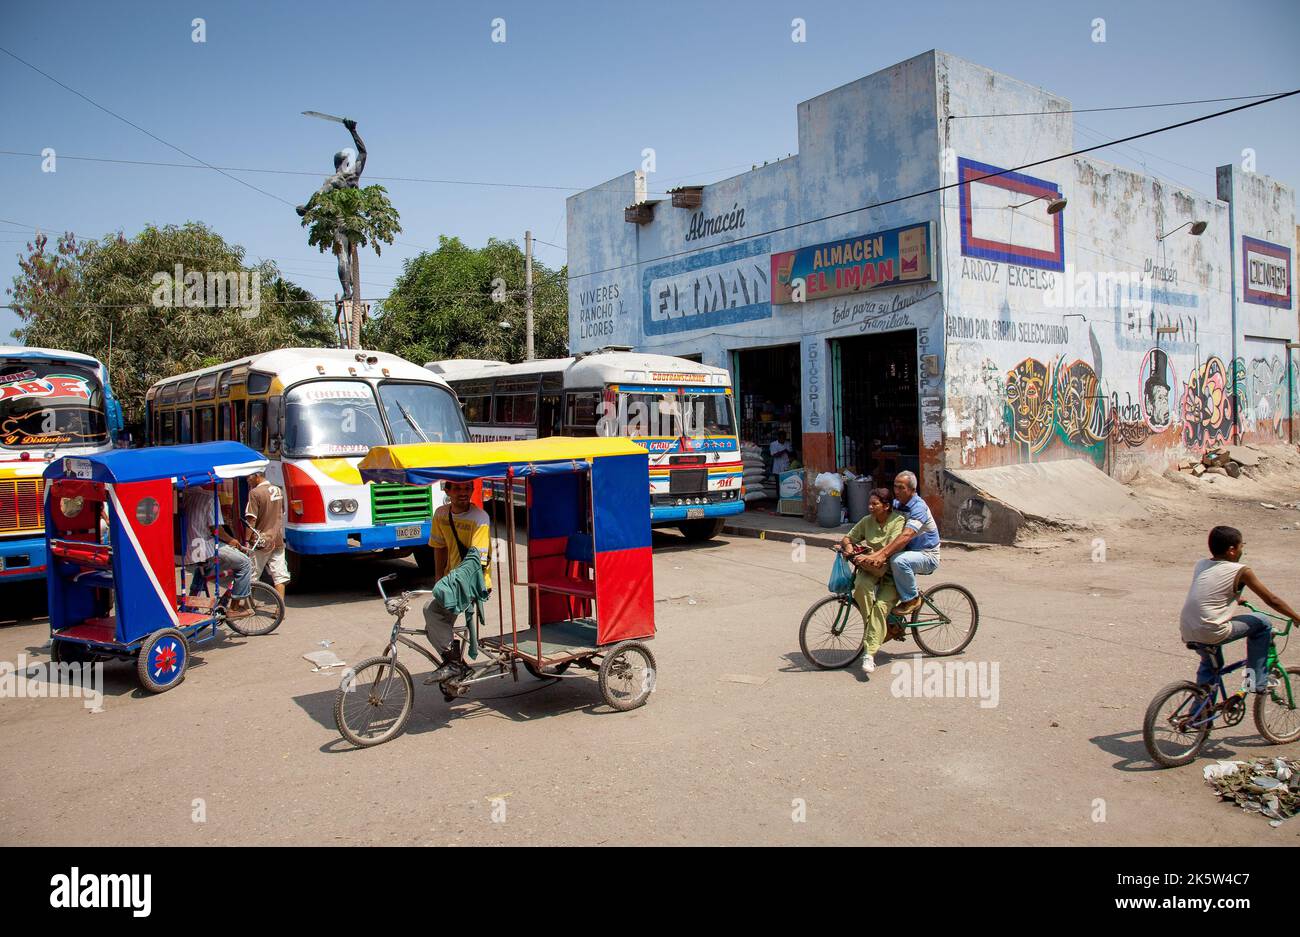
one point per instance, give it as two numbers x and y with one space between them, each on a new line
528 295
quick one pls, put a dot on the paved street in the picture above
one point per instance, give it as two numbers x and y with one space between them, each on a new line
738 729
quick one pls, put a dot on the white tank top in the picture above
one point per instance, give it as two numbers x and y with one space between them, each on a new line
1210 601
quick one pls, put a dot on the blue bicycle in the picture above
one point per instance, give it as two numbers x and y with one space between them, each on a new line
1179 719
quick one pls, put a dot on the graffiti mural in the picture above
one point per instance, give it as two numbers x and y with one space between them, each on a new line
1207 406
1268 393
1156 380
1029 404
1245 412
1127 422
976 401
1080 409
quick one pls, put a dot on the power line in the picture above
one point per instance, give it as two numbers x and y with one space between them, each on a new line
317 174
139 128
1122 107
951 185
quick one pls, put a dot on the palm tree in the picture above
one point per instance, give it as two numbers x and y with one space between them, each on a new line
357 217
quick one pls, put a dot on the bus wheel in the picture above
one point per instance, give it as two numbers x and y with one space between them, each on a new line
300 570
701 530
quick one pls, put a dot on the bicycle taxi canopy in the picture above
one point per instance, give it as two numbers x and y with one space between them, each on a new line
136 562
588 523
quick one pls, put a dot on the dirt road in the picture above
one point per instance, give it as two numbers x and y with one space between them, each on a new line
741 742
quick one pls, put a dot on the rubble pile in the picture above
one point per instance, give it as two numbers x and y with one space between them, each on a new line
1232 462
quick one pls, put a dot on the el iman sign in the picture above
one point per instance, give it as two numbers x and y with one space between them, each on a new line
853 265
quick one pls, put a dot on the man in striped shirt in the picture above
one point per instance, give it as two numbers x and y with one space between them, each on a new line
916 550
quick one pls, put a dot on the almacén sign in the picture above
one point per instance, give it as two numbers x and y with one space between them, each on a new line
855 264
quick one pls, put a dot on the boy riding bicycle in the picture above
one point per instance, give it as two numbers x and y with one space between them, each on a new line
1207 617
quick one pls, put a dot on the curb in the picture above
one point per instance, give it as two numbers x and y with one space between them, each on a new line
788 536
783 536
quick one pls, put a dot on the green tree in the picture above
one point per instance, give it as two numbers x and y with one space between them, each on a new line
111 298
364 217
442 306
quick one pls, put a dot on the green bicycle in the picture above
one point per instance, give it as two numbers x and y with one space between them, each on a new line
832 630
1179 719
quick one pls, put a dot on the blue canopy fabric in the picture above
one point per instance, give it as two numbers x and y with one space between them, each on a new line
193 464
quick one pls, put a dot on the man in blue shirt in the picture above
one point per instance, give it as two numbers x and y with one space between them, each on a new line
913 552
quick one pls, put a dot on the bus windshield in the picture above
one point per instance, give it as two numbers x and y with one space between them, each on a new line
50 403
421 413
684 414
341 418
331 418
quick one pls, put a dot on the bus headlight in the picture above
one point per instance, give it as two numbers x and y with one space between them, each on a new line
343 506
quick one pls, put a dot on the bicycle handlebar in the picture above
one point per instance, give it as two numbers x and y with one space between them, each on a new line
1260 611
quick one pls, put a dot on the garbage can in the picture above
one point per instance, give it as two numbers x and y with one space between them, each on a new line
859 495
828 509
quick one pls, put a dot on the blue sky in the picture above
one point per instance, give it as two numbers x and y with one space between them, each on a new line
569 100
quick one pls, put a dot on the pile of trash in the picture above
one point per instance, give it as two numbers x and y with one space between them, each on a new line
1231 462
1267 786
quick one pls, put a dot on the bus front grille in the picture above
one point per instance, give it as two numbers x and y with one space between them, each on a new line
20 504
397 504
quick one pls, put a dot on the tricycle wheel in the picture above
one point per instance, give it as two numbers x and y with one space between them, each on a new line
70 652
542 673
374 701
627 675
163 659
268 612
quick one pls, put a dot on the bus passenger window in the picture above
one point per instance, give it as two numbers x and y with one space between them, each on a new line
257 425
207 425
167 434
187 422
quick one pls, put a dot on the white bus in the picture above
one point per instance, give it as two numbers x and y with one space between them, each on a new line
315 413
680 411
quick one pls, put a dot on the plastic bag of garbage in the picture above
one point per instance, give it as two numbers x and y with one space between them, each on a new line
829 482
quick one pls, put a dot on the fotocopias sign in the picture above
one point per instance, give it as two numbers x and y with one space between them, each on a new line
853 265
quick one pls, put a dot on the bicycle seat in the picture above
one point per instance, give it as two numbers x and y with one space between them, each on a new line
1203 648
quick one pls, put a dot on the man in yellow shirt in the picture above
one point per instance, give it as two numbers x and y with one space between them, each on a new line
457 527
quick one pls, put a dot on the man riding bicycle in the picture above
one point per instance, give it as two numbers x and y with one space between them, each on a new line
913 552
1207 616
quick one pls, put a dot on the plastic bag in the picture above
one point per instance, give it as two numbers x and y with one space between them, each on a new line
829 482
841 581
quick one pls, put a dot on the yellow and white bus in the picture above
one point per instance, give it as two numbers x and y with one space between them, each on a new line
315 413
678 410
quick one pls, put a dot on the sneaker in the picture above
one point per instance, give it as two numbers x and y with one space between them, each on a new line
446 672
908 607
868 663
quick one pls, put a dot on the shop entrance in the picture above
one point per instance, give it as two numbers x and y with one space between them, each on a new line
768 395
877 407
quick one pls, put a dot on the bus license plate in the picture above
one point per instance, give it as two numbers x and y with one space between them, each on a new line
692 513
408 533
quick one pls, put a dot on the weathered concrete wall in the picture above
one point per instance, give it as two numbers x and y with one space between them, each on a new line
869 141
1265 371
1085 334
1104 332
